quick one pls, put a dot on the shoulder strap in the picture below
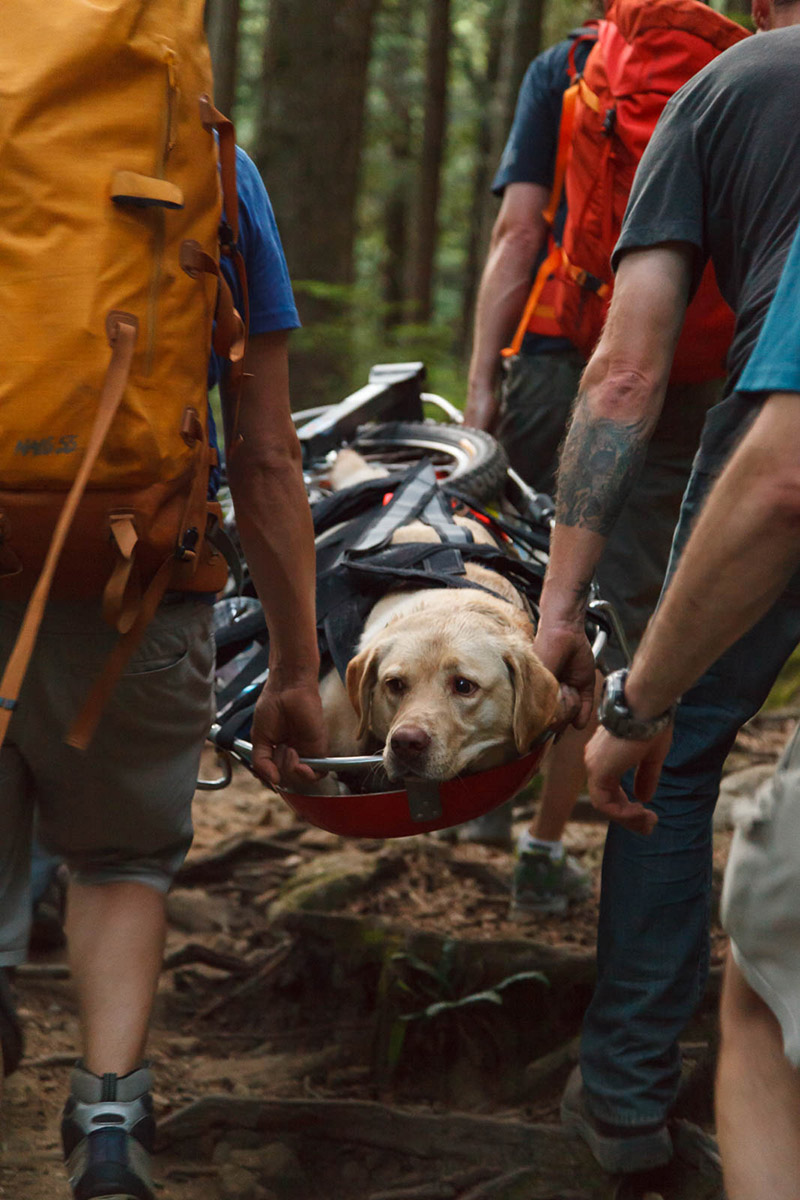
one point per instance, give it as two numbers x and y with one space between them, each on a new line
553 259
122 331
232 328
587 33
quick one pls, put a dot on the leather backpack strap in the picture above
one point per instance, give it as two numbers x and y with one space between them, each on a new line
122 329
84 725
212 118
122 593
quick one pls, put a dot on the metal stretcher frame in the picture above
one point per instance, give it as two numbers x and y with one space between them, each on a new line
417 806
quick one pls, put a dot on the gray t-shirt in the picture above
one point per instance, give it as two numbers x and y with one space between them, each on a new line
722 172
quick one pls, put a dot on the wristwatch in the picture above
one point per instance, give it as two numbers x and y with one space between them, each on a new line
617 718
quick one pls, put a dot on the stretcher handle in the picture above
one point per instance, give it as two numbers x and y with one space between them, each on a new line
243 750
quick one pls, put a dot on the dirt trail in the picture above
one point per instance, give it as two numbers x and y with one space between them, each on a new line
251 1008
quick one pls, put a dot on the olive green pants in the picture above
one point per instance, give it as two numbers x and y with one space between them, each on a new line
537 398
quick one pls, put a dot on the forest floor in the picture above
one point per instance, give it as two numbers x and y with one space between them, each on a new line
362 1021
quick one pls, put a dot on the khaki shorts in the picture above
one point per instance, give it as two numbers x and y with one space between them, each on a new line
121 810
761 894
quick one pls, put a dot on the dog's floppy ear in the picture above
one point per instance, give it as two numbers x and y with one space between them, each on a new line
362 672
535 694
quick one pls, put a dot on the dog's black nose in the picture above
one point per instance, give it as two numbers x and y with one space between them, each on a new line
410 739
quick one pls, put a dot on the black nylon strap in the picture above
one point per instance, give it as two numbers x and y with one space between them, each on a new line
407 503
426 564
342 628
438 514
235 724
362 498
254 667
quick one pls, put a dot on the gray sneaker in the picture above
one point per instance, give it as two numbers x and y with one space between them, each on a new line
108 1135
543 884
619 1149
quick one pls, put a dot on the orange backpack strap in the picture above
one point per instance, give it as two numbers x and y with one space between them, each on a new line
553 258
565 130
546 269
583 278
122 330
587 33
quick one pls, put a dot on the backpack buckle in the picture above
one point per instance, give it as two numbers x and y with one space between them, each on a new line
590 282
191 426
187 547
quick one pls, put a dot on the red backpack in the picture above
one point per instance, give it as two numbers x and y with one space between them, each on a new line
645 51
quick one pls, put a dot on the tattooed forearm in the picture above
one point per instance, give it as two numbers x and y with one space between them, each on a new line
599 463
581 591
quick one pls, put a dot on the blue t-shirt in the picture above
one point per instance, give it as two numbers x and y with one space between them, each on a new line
774 365
530 152
269 290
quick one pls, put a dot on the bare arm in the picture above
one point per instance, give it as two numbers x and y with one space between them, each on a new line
517 238
741 553
274 523
620 398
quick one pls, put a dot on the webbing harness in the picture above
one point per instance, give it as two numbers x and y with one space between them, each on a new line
357 566
364 566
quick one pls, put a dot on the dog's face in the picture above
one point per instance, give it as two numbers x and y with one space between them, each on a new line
452 688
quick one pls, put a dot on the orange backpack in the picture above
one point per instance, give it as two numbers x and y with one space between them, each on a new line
109 262
645 51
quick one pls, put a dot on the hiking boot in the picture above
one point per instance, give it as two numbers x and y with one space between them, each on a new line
108 1132
543 884
11 1046
619 1149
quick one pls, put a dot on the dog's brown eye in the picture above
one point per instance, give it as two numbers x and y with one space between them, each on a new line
395 686
464 687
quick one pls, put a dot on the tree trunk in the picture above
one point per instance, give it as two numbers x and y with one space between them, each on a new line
430 165
521 42
394 84
308 148
308 144
516 28
222 24
484 206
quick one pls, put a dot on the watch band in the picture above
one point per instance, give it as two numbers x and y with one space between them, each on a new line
615 715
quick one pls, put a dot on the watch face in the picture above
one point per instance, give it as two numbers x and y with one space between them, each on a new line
616 717
613 704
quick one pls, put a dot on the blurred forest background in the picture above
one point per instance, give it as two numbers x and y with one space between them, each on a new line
377 126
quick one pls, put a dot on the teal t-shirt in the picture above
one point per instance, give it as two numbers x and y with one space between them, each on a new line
774 365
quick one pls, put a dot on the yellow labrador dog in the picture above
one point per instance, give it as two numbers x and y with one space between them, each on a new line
446 680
